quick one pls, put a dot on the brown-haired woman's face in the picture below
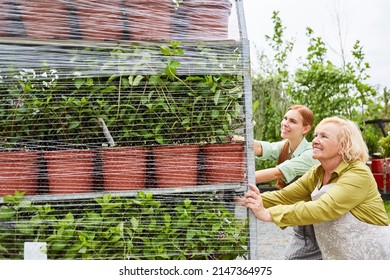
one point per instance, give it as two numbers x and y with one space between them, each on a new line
292 125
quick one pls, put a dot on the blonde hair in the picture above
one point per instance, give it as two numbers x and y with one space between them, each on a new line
351 139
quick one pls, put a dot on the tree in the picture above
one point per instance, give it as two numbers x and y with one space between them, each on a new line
270 102
329 89
318 83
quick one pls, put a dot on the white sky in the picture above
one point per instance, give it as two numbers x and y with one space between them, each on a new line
364 20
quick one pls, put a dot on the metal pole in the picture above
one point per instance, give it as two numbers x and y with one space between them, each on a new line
253 244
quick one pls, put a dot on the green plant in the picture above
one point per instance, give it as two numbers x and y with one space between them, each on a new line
319 83
17 109
370 136
40 109
144 227
387 207
142 94
163 106
384 144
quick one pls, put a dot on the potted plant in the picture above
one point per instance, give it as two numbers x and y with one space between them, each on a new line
149 20
20 158
43 21
194 17
170 111
115 98
176 165
8 19
19 171
144 227
34 98
99 19
167 107
379 159
224 163
70 171
380 166
165 110
194 110
384 144
124 168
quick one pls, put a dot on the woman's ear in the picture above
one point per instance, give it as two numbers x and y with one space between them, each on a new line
306 129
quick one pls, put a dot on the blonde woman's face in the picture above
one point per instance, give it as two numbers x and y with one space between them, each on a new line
292 126
326 145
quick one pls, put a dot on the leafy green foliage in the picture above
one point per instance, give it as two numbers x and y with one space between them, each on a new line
371 139
330 90
384 144
387 207
118 228
322 88
158 106
269 102
317 83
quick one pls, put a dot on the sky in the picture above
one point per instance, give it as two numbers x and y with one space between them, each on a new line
365 20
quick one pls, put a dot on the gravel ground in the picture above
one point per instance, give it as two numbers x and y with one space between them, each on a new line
272 241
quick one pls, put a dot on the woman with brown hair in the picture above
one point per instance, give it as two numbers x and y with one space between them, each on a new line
294 157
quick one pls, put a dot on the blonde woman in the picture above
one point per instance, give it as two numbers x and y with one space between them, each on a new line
340 197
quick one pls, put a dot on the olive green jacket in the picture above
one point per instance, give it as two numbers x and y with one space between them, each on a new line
355 191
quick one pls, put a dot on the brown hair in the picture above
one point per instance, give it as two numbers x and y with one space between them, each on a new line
308 119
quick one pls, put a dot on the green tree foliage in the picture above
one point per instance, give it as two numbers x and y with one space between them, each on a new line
318 83
329 89
269 99
269 108
270 102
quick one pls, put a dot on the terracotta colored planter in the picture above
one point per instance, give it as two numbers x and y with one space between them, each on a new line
224 163
70 171
6 14
149 19
4 18
176 166
205 19
18 172
124 168
44 19
99 19
378 165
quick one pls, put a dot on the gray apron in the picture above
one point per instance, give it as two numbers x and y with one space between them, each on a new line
303 244
347 238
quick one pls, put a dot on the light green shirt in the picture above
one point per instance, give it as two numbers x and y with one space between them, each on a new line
299 163
354 190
